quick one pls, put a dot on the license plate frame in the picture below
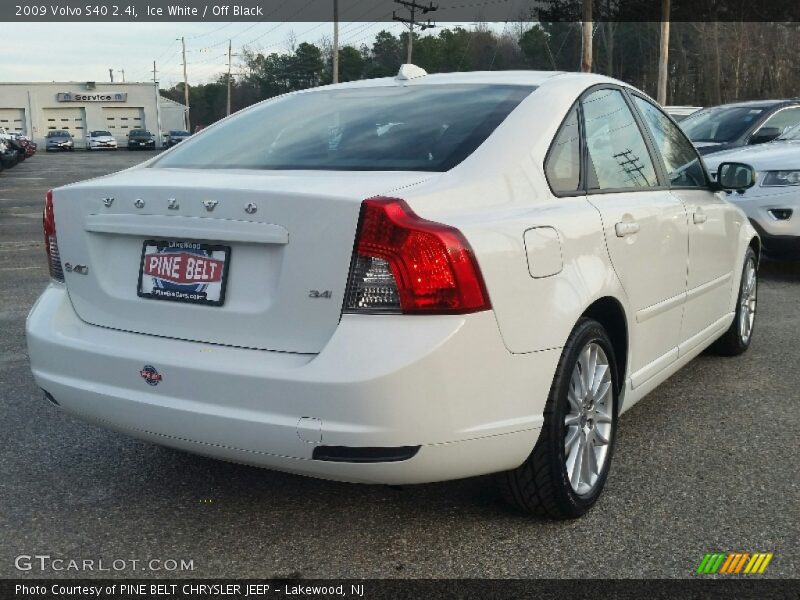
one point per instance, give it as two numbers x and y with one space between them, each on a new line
190 292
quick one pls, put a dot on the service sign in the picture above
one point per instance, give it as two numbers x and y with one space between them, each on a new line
182 271
92 97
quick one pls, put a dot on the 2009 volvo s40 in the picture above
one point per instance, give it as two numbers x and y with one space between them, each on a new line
402 280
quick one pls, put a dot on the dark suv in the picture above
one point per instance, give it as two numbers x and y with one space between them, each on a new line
741 124
141 139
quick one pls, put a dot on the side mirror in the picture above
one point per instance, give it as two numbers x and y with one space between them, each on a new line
735 176
765 134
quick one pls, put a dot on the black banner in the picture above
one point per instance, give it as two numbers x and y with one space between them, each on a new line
223 589
375 11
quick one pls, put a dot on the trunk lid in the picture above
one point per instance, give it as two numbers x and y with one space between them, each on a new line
288 237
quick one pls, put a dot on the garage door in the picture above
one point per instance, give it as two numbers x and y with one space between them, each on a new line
13 119
120 120
68 119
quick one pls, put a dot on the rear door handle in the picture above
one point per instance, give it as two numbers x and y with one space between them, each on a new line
626 228
699 218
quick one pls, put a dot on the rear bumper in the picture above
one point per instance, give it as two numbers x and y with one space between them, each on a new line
444 384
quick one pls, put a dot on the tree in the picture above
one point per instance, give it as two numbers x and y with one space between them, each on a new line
535 48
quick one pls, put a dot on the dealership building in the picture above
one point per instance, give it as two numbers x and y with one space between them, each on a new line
35 108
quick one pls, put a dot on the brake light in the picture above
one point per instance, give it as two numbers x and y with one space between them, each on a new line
50 241
405 264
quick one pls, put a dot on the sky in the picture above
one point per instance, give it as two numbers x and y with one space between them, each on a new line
86 51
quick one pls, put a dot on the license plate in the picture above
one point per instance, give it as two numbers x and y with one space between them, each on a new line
184 271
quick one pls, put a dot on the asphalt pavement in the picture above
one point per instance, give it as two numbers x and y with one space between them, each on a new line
708 462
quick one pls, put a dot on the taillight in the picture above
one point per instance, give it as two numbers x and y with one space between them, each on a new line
50 241
405 264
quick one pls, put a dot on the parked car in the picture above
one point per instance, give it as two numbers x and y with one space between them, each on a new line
679 113
9 157
29 148
16 145
141 139
773 206
176 136
482 287
58 139
100 140
741 124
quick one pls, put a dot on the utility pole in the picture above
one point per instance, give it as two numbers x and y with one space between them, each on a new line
413 7
335 41
663 56
111 74
230 56
586 44
185 85
123 75
159 141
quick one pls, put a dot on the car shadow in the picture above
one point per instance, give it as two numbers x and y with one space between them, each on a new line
780 270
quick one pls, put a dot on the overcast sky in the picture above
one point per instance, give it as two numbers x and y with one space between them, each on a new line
86 51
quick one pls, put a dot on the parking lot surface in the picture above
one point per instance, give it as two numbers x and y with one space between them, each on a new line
708 462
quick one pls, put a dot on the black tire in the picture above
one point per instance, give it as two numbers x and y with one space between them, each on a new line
732 342
540 486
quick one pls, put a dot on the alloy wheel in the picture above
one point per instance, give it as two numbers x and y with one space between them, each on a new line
589 422
747 301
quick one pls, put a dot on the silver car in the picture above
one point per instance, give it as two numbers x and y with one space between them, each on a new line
59 140
773 204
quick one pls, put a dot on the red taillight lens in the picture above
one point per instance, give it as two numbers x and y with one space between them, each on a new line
50 241
403 263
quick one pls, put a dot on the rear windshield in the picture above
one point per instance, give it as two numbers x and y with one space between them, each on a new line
722 124
411 128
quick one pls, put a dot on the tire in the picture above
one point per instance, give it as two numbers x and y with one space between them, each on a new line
737 339
542 485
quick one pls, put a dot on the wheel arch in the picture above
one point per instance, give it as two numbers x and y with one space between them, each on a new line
755 244
609 312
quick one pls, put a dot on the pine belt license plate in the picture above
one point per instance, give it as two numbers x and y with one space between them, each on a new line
184 271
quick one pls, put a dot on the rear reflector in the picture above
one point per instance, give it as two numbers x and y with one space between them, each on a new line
353 454
50 240
405 264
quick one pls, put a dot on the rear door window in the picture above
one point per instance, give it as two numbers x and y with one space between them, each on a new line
618 157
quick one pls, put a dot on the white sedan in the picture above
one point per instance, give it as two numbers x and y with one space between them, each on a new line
401 280
100 140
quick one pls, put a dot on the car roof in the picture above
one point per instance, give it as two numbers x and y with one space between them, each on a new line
758 103
528 78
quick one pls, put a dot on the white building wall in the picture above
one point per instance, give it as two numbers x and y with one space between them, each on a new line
37 101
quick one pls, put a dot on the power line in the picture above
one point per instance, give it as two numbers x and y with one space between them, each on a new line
411 21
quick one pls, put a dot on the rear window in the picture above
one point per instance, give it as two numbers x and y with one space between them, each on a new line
410 128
